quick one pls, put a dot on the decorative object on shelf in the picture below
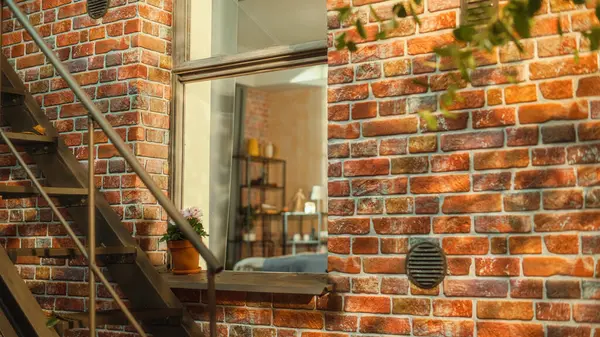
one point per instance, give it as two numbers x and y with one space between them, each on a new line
323 235
253 148
306 237
313 234
310 207
297 237
269 150
249 236
268 209
317 195
185 258
298 201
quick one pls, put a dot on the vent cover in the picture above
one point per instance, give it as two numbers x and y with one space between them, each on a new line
477 12
426 265
97 8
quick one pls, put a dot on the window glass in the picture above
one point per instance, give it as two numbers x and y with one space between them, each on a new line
279 118
227 27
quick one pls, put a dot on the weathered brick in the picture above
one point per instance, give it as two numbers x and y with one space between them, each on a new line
492 181
453 162
470 141
557 222
491 329
544 178
549 266
563 289
525 244
438 327
562 244
439 184
384 325
465 245
544 112
475 203
503 224
558 133
475 288
546 311
402 225
505 310
494 117
497 266
403 165
367 304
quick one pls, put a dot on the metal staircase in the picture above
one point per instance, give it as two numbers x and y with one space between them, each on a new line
154 308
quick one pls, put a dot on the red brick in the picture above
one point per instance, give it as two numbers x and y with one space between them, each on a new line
411 306
544 178
372 52
338 150
339 112
475 288
437 327
394 285
458 121
497 266
557 89
338 322
422 144
543 112
347 93
368 304
341 206
453 162
427 205
338 188
452 308
392 107
584 154
392 146
425 44
569 331
338 245
521 136
492 329
499 245
362 187
525 244
396 68
503 224
475 203
389 126
350 265
343 131
400 205
501 159
589 131
526 288
563 67
589 86
365 245
553 311
365 285
578 221
394 245
505 310
590 244
298 319
402 165
563 199
440 184
402 225
470 141
340 75
349 226
465 245
558 133
364 110
586 312
451 224
520 93
366 167
384 265
563 289
492 181
549 266
548 156
499 75
398 87
488 118
384 325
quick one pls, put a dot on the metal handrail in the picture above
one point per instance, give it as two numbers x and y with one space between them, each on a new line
94 115
93 267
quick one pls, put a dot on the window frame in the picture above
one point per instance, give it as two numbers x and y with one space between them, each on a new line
186 70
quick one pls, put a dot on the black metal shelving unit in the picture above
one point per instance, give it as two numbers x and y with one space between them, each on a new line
264 186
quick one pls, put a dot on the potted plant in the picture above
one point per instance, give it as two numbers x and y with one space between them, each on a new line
185 259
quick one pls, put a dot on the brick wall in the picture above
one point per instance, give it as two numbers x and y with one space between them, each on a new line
506 188
123 62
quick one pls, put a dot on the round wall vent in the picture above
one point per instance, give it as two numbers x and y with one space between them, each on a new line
97 8
426 265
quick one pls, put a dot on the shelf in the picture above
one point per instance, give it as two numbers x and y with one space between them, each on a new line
302 214
263 160
311 242
263 187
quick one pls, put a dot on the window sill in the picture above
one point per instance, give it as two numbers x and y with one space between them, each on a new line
260 282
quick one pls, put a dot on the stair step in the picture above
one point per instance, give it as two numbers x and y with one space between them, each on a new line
11 90
80 320
104 254
16 192
19 138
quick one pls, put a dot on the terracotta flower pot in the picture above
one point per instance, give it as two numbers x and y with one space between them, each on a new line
185 258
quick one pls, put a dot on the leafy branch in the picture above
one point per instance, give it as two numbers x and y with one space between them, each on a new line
498 28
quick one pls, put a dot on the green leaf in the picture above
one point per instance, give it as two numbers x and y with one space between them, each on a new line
465 33
449 114
351 46
522 25
344 13
576 56
340 41
598 11
413 12
52 321
360 28
421 83
374 14
380 35
559 26
429 118
533 6
579 2
400 10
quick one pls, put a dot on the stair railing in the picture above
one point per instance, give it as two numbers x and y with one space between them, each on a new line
94 115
